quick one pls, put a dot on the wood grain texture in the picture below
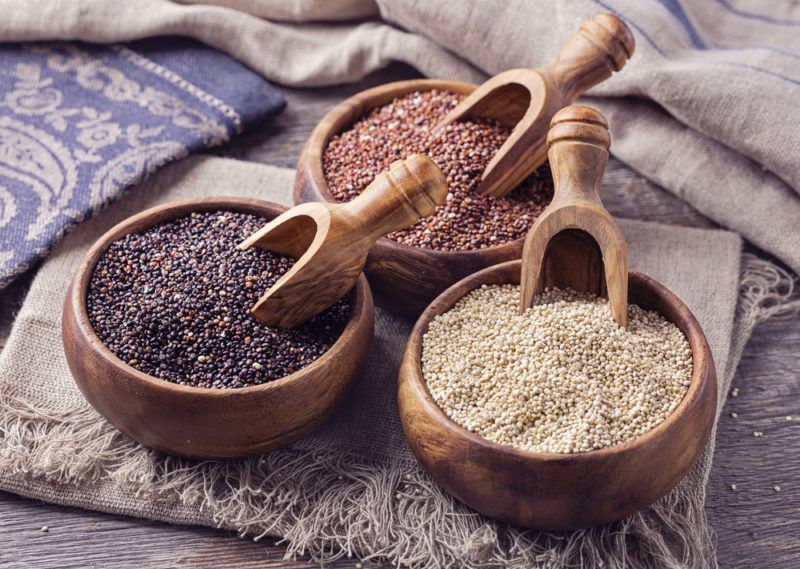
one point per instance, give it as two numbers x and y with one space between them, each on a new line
82 539
755 526
195 421
331 241
548 491
527 99
11 299
575 243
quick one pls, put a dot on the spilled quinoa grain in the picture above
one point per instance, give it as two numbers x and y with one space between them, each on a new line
173 301
462 150
563 377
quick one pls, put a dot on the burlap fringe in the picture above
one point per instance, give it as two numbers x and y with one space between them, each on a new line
766 291
328 505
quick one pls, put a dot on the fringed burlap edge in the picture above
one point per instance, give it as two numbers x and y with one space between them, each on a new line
328 505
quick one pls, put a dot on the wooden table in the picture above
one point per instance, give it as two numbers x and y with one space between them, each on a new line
756 526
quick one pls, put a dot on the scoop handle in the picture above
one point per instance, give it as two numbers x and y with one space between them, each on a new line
601 46
577 145
410 190
576 240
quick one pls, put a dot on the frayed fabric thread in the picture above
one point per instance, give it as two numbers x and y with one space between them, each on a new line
767 291
329 505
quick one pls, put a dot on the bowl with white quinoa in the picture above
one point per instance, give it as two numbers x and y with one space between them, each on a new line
360 137
159 337
557 418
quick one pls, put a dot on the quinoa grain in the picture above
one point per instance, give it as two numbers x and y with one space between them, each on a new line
173 302
408 125
561 378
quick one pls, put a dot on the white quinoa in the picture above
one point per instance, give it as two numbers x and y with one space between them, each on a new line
561 378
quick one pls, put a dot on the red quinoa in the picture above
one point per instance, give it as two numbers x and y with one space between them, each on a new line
405 126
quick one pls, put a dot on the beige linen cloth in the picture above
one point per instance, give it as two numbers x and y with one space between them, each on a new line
352 488
706 109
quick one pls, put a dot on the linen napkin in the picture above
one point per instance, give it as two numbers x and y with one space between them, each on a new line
80 123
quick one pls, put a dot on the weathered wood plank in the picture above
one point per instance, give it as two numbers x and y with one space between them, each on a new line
755 526
77 538
11 299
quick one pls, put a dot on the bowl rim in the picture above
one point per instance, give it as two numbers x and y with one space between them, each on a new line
314 149
359 295
703 372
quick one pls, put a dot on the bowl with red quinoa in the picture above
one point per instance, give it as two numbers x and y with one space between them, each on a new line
159 337
359 138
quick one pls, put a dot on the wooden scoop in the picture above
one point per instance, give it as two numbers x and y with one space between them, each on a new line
528 98
575 238
331 241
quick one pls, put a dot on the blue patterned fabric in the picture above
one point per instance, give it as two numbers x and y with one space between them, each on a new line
80 123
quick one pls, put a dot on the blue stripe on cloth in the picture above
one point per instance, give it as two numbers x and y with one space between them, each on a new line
674 7
632 24
80 123
751 16
666 55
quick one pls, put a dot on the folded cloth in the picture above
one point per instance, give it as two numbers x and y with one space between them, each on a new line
706 108
80 123
353 487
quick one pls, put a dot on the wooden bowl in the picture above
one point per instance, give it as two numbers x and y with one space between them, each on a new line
404 279
200 422
558 491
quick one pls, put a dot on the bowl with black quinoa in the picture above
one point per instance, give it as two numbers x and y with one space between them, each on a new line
360 137
159 337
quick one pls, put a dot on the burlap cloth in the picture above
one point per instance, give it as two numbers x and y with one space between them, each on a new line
352 488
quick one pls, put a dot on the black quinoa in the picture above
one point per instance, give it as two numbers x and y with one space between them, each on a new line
173 301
